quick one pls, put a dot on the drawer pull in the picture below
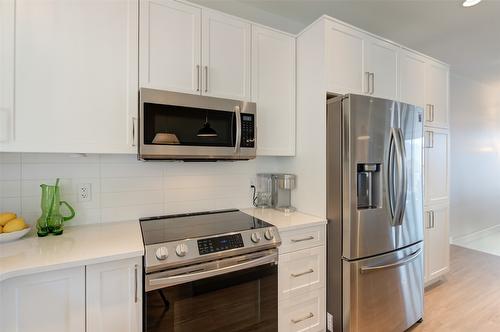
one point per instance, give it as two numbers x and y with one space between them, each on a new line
296 321
303 239
296 275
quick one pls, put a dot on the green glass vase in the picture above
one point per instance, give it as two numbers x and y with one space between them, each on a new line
51 220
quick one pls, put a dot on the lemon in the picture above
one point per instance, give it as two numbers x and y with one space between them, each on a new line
6 217
14 225
1 227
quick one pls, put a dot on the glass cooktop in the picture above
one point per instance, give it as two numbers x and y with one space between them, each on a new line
193 225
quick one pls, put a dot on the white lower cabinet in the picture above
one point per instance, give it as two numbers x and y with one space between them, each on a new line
114 296
437 247
301 280
44 302
104 297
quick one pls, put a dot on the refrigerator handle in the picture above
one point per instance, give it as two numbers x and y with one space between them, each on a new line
400 262
399 210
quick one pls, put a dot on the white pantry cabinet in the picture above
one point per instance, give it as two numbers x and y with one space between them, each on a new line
44 302
357 62
190 49
273 89
437 248
114 296
170 46
412 78
436 165
436 94
75 76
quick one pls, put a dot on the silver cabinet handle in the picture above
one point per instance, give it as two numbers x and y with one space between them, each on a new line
400 262
430 140
373 83
303 239
433 219
429 218
134 130
206 78
309 316
432 113
197 77
429 113
367 89
136 286
296 275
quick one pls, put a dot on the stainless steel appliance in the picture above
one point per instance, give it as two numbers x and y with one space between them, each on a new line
275 190
375 214
182 126
210 271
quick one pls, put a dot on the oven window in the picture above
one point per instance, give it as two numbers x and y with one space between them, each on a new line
178 125
242 301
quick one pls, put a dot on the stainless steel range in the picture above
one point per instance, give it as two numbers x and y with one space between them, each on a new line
210 271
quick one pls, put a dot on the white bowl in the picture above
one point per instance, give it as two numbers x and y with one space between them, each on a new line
7 237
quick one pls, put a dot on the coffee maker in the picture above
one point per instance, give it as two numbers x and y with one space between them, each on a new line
275 190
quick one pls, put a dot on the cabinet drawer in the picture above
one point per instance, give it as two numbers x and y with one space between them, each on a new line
302 238
304 313
301 271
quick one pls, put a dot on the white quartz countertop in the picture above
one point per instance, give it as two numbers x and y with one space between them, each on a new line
285 221
77 246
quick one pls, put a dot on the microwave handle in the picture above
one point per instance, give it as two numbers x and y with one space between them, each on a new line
238 128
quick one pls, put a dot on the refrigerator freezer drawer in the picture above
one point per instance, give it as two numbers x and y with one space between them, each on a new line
384 293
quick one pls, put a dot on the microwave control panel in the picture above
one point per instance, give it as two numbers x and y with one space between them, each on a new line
247 131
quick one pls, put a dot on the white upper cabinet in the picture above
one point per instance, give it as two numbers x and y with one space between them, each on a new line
412 78
436 94
114 296
381 69
7 15
44 302
75 76
344 51
226 55
273 89
436 165
437 248
170 46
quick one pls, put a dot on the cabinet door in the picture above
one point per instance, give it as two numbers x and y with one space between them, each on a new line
344 59
381 60
436 165
75 76
437 247
7 15
273 89
303 313
412 78
44 302
226 46
114 296
170 42
436 94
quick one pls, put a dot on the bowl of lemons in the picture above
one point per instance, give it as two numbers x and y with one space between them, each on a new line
12 227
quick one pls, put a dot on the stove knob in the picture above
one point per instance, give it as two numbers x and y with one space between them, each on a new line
269 235
255 237
162 253
181 250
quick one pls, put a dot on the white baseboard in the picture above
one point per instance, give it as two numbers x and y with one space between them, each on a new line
464 239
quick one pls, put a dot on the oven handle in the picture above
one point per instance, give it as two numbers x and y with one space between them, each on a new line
188 277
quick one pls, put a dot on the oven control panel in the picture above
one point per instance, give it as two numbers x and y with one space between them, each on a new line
220 243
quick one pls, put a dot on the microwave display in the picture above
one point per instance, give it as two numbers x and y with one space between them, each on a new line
179 125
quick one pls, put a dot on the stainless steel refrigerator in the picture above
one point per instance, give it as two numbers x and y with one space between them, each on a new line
375 214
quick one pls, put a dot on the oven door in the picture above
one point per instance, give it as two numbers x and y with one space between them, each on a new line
234 294
182 126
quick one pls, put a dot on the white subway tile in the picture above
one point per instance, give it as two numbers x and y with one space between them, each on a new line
137 169
190 206
53 171
110 185
121 199
10 157
131 212
10 188
9 172
59 158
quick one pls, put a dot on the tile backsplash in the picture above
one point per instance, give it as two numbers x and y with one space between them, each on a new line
122 187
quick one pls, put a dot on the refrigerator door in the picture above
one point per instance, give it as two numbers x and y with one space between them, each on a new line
384 293
381 176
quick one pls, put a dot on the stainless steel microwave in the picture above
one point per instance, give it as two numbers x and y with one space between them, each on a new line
180 126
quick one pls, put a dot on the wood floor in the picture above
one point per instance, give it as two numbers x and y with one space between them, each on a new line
469 299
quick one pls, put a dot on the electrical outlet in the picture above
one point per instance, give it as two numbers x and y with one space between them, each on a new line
85 192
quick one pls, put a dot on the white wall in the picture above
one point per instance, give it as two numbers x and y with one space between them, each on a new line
124 188
475 156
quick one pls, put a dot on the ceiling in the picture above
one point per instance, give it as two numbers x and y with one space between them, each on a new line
466 38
